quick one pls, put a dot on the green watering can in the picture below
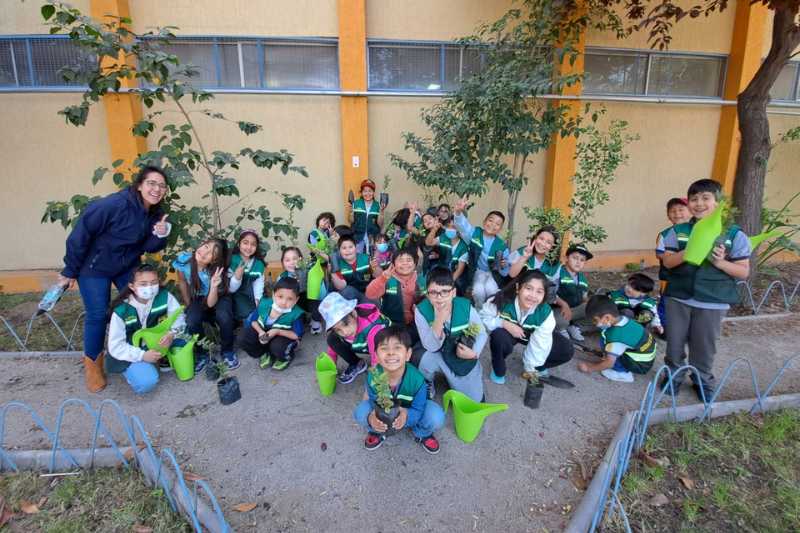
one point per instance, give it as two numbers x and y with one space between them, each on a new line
755 240
181 359
469 414
151 336
704 233
326 374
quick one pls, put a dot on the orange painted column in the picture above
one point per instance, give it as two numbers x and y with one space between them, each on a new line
353 77
558 189
745 58
123 110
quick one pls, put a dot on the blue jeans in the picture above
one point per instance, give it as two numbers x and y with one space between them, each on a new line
96 296
618 366
431 420
143 376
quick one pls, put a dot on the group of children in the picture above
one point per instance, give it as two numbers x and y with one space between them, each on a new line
397 295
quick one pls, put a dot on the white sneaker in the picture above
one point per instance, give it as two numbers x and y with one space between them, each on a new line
614 375
575 333
316 327
563 333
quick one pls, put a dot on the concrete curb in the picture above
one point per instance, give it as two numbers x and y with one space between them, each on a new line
26 355
584 514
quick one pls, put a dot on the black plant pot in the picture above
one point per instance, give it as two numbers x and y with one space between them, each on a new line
333 259
387 418
301 274
212 373
552 293
497 264
384 198
228 391
469 342
533 395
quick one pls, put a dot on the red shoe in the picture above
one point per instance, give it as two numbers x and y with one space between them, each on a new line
430 444
373 441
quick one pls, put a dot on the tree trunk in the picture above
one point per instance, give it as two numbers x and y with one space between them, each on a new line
754 152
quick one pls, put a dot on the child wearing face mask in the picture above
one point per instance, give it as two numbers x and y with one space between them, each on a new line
142 304
276 327
382 253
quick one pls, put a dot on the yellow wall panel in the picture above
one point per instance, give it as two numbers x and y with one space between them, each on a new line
18 18
278 18
47 159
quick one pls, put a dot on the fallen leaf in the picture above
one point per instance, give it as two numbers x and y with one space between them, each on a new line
663 462
541 434
28 508
659 500
142 529
646 459
401 522
323 447
579 482
687 482
245 507
191 477
41 502
273 382
129 454
6 514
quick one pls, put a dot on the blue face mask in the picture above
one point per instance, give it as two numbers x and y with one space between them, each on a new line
604 328
382 247
450 233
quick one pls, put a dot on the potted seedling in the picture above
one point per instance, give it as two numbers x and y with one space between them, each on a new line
468 336
228 387
386 407
533 390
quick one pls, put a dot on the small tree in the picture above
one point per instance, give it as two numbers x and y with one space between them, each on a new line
123 54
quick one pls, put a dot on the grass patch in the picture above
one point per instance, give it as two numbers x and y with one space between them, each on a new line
735 474
17 309
106 499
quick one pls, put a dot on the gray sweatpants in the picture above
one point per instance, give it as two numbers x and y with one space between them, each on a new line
698 327
579 317
470 385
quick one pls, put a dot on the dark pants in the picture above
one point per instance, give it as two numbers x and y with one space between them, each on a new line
310 306
700 328
96 296
343 349
639 314
501 344
413 333
221 315
280 347
351 293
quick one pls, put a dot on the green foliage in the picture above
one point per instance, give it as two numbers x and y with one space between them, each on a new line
533 377
632 266
598 158
779 219
122 55
382 389
472 330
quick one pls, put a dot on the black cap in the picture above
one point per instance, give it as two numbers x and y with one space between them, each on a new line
581 249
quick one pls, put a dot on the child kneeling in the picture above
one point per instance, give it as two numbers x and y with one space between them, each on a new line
276 327
408 390
628 347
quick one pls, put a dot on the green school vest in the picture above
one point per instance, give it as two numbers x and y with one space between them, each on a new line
622 301
475 250
410 384
392 301
705 283
532 321
448 258
547 268
569 291
642 346
283 322
458 323
358 278
128 314
365 222
360 342
243 300
662 270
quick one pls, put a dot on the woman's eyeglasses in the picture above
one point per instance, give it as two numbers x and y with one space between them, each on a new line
154 184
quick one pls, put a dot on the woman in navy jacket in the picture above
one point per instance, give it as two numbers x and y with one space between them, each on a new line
104 247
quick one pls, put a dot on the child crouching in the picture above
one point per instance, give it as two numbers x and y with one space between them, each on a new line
408 391
628 347
276 327
633 301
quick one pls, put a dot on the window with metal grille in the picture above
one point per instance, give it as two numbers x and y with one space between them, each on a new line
787 86
636 72
419 66
35 61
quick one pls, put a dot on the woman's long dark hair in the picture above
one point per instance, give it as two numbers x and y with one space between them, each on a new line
509 292
141 178
222 261
259 254
126 291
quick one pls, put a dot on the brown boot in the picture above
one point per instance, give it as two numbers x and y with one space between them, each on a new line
95 380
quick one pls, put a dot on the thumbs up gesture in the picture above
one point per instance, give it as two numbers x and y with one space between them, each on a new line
161 226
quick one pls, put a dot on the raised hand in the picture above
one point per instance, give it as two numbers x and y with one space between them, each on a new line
462 204
161 226
388 272
527 252
216 279
239 272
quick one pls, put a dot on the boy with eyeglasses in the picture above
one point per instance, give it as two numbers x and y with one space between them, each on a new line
441 319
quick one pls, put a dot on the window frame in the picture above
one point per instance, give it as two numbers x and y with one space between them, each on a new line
795 88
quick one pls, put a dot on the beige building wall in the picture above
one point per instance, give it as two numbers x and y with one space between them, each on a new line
18 18
783 176
46 159
247 18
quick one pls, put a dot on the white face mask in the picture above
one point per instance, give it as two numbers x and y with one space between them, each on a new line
147 293
280 309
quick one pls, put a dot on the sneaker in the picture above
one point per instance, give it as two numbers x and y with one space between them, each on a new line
230 360
164 365
575 333
200 362
352 371
373 441
265 361
615 375
316 327
281 364
430 444
431 389
563 333
497 379
707 390
676 385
